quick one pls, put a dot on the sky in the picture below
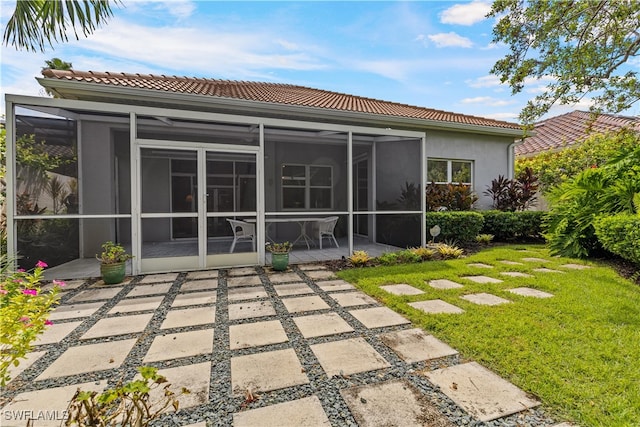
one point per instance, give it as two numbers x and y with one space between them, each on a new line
435 54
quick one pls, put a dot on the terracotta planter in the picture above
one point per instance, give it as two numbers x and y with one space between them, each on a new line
113 273
280 262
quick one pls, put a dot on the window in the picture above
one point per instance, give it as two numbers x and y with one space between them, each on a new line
307 187
448 171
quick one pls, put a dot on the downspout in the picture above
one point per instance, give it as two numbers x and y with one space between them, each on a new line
510 160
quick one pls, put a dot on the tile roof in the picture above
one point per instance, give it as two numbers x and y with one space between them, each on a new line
272 93
571 128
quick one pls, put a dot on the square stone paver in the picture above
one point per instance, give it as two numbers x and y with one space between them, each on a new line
208 274
233 282
240 294
352 299
346 357
320 325
436 306
530 292
74 311
242 271
153 289
401 289
189 317
415 345
101 284
284 277
534 259
480 392
195 377
96 294
182 344
194 298
137 304
56 333
50 401
29 359
310 267
256 334
320 274
156 278
444 284
485 299
199 285
378 317
507 262
271 370
249 310
301 412
516 274
547 270
392 403
575 266
89 358
293 289
479 265
482 279
302 304
111 326
335 285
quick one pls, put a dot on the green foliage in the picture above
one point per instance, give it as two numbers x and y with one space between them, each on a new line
510 226
620 234
24 309
359 258
3 191
484 239
425 254
513 194
388 258
447 251
279 248
452 197
130 404
555 167
581 45
112 253
408 256
462 226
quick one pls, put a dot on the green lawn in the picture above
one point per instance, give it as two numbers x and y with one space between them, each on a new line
579 351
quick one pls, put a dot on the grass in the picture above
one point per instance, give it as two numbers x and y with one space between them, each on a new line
579 352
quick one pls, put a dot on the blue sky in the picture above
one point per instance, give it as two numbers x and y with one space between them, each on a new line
425 53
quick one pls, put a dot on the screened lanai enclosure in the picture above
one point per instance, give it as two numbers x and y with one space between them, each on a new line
188 190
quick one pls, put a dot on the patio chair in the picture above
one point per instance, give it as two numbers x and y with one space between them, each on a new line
242 232
326 228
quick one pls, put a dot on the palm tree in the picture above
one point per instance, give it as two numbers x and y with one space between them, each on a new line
58 64
35 23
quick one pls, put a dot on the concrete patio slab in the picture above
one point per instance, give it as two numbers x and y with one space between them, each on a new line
233 282
303 304
320 274
482 279
436 306
271 370
393 403
507 262
320 325
337 357
352 299
96 294
310 267
56 333
75 311
546 270
444 284
194 298
101 284
194 377
181 344
575 266
199 285
401 289
516 274
302 412
137 304
112 326
249 310
151 289
71 285
293 289
530 292
480 392
242 271
89 358
415 345
479 265
534 259
378 317
283 277
335 285
240 294
29 359
189 317
484 298
164 277
256 334
207 274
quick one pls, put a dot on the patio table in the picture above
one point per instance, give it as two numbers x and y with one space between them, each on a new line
301 221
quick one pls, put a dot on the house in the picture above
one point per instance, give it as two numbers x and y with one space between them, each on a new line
164 165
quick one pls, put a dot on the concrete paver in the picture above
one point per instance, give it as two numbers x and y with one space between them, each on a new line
293 289
242 271
199 285
337 357
320 325
534 259
507 262
163 277
75 311
352 299
112 326
335 285
444 284
310 267
436 306
320 274
575 266
233 282
378 317
516 274
271 370
101 284
30 359
302 412
256 334
137 304
240 294
482 279
151 289
181 344
189 317
479 265
195 377
303 304
484 298
415 345
530 292
401 289
195 298
248 310
207 274
96 294
56 332
284 277
546 270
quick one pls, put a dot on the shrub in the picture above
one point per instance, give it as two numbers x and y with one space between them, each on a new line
484 239
513 194
388 258
620 234
509 226
425 254
408 256
359 258
448 251
452 197
461 226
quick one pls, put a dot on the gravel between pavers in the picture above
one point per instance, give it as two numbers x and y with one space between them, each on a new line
222 405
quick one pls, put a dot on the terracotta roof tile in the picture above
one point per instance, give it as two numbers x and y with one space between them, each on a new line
571 128
272 93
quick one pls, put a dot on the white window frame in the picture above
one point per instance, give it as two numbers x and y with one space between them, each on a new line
307 187
450 170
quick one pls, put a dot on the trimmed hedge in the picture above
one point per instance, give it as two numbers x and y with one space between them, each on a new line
509 226
620 234
460 226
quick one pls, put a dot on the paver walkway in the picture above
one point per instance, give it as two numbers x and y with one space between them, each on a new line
310 348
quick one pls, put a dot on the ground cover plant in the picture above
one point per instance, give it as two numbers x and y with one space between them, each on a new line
576 351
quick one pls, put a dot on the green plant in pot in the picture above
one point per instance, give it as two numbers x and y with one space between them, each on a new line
113 262
279 255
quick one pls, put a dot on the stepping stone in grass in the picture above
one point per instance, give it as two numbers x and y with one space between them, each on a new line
515 274
444 284
533 259
436 306
485 299
530 292
507 262
479 265
482 279
415 345
575 266
547 270
401 289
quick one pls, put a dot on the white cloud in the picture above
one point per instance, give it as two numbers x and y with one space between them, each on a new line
180 9
450 39
465 14
488 101
485 81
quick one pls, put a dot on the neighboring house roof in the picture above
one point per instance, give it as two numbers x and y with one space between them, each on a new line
567 129
273 93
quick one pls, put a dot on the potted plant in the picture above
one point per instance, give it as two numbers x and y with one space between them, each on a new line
279 255
113 261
